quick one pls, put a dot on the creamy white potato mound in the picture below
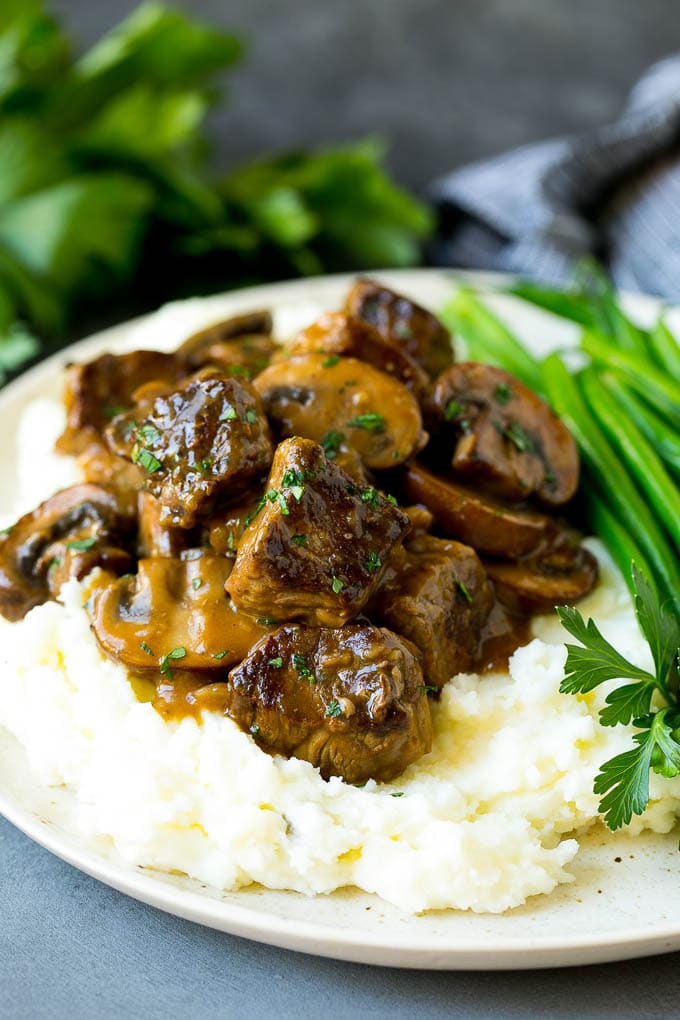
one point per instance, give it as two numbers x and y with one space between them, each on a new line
476 824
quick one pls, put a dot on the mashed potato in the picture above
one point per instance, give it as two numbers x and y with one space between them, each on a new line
476 824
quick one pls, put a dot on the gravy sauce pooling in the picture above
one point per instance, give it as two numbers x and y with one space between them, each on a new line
242 505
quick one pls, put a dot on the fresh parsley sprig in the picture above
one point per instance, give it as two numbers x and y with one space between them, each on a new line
623 781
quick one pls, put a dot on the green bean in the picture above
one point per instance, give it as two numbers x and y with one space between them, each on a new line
488 338
624 551
665 440
611 479
637 454
665 348
639 372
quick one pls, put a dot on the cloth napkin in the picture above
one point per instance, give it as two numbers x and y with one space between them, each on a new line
613 192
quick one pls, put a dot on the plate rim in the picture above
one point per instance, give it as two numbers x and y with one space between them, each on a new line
415 951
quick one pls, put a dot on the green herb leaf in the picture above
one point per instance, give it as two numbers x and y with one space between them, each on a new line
334 709
81 544
331 442
145 459
371 422
276 663
337 585
229 413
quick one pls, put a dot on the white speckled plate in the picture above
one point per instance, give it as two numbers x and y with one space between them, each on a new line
625 898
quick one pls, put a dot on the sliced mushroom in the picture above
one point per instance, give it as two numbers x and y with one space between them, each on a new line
350 700
252 324
402 321
348 400
203 444
67 536
560 574
336 334
480 521
173 612
505 436
99 390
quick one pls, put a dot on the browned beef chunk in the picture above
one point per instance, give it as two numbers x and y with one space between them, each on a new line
317 549
198 446
478 520
437 595
402 321
348 401
173 613
67 536
155 538
336 334
560 573
506 437
99 390
349 700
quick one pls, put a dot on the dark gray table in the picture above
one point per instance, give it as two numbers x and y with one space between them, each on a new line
447 81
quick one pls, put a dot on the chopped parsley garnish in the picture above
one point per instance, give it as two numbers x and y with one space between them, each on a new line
164 664
295 481
220 655
206 463
331 442
250 416
81 544
453 409
298 539
429 689
373 562
549 478
517 435
331 360
371 496
402 330
395 455
254 729
276 663
334 710
300 664
197 583
255 511
145 648
229 413
114 411
56 562
230 541
145 459
503 393
392 500
465 591
337 584
370 421
397 793
266 621
239 370
148 434
276 496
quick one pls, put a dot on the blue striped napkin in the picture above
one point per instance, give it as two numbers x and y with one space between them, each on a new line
613 192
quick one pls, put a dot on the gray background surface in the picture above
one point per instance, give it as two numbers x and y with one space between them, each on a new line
446 81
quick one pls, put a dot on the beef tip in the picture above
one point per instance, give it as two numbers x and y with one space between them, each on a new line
345 400
199 445
317 547
438 596
402 321
560 573
67 536
99 390
505 436
480 521
173 613
351 700
155 538
241 346
338 335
